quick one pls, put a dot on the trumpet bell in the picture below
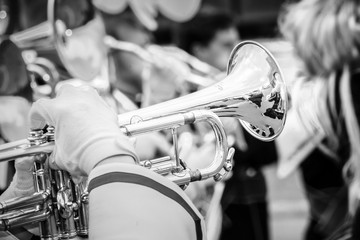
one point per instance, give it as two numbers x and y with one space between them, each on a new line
254 92
265 90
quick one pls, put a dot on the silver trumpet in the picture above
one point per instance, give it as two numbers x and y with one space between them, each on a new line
254 92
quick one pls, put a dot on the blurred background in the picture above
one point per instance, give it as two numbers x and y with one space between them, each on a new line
254 18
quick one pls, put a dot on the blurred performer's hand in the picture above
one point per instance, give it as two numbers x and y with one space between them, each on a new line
13 120
165 80
22 183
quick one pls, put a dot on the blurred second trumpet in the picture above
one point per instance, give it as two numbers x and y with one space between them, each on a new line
57 48
188 67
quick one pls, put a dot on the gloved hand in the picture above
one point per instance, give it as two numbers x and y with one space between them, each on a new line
167 72
22 183
13 123
86 129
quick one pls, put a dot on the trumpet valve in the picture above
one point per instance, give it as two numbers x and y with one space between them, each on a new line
36 137
218 177
40 158
229 160
50 133
228 166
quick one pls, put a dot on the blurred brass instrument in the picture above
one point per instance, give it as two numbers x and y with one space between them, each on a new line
254 92
58 48
200 73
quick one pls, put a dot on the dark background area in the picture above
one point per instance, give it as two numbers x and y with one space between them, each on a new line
254 18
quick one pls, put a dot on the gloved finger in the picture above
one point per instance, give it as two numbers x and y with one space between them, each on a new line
24 173
40 115
52 160
24 164
56 163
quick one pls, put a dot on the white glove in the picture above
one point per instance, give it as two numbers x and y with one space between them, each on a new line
13 117
22 183
86 129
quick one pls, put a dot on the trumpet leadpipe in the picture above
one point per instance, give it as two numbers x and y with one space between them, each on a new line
24 150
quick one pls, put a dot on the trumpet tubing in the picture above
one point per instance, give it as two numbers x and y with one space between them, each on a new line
201 74
39 37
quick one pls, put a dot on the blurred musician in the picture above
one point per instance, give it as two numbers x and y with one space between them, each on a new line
328 50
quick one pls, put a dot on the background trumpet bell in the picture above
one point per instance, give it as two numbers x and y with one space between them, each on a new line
254 91
74 31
